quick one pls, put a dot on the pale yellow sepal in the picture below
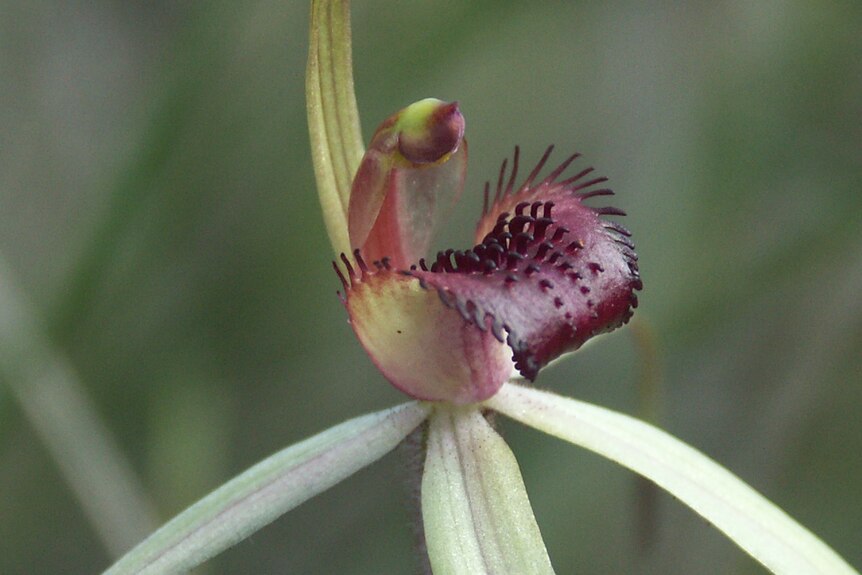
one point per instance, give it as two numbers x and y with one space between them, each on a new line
750 520
333 117
475 509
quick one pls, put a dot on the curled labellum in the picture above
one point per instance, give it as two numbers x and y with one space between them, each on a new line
547 272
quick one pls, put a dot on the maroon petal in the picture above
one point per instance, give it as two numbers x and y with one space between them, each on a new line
549 272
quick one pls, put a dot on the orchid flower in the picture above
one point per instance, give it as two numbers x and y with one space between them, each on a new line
460 334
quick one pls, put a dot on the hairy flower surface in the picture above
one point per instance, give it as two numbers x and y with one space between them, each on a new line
547 271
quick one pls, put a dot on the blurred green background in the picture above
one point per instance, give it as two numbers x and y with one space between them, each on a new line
158 211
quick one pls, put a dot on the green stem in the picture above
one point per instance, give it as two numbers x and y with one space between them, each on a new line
56 404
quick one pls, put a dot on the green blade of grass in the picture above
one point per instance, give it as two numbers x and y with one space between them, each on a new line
55 402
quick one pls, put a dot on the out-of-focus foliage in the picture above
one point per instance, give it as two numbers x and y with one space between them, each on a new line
157 205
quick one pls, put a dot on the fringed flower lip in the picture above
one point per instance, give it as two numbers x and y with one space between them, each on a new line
547 271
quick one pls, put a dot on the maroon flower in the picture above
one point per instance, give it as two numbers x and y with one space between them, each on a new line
547 271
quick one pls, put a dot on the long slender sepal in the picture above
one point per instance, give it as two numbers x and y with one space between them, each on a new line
754 523
269 489
333 118
475 509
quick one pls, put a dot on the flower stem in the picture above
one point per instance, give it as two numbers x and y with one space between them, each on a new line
56 404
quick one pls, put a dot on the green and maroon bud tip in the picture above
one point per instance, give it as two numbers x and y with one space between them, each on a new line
429 130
